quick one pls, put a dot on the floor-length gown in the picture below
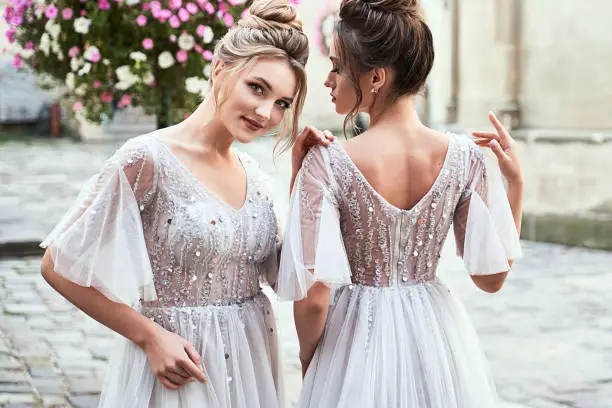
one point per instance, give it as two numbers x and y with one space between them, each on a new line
395 336
147 233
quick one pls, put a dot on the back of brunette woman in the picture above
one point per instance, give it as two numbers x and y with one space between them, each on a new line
369 217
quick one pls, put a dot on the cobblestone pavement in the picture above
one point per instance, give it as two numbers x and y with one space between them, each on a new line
547 334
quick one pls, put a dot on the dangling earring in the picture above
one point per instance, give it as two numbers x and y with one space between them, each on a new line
374 91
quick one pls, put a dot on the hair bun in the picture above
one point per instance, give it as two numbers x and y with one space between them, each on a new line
410 8
267 14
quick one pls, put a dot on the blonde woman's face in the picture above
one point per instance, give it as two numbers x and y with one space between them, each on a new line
259 99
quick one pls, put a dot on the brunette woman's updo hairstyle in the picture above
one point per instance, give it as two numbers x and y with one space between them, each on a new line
384 33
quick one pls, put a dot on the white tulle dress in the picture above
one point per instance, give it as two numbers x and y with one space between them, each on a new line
395 337
147 233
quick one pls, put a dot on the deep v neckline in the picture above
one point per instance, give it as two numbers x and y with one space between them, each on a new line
382 199
203 187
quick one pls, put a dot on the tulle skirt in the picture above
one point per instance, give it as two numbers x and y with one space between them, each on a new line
239 350
398 347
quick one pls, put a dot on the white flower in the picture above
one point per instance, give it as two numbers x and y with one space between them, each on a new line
124 73
75 64
53 29
81 90
81 25
123 85
70 81
148 79
85 69
207 70
46 80
27 53
186 42
45 43
138 56
209 35
105 61
196 85
132 2
165 60
126 77
92 54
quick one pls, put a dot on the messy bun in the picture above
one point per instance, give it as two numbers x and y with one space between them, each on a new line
384 33
269 14
408 8
271 29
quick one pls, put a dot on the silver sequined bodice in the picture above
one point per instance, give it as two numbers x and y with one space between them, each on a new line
388 246
203 251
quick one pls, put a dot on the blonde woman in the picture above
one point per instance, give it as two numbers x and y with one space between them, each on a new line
168 244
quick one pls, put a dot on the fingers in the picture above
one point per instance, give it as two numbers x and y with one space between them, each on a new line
486 135
193 370
168 384
193 355
501 130
329 135
178 379
497 150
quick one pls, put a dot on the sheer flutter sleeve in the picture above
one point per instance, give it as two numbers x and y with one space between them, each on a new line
485 232
100 242
313 248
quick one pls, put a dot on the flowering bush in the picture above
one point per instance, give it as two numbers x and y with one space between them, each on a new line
115 53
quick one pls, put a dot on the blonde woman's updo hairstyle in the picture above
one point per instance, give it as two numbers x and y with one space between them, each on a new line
271 29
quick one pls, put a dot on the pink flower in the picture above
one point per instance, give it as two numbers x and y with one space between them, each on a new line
201 30
183 15
96 84
8 13
208 55
175 22
245 13
176 4
181 56
83 13
73 51
51 11
16 20
67 13
147 43
94 57
155 5
223 8
228 20
209 8
29 45
17 61
198 48
106 97
10 34
294 2
165 14
192 8
126 100
77 106
141 20
145 6
103 4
